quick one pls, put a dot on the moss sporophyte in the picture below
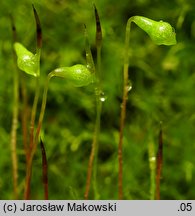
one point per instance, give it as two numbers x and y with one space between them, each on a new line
161 33
100 98
30 64
78 75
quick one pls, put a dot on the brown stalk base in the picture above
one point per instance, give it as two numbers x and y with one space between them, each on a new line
159 165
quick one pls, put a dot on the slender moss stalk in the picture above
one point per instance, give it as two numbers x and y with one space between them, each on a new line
99 100
13 142
152 166
123 110
93 154
42 112
24 116
44 171
33 112
32 123
34 108
98 91
35 143
161 33
14 137
159 163
96 146
38 52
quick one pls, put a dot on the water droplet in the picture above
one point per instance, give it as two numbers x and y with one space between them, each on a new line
129 86
102 97
152 159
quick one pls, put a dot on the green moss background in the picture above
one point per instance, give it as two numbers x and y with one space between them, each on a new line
163 80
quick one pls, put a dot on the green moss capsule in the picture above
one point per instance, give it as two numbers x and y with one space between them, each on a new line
79 75
27 61
160 32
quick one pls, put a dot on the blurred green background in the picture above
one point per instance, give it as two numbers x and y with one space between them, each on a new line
163 80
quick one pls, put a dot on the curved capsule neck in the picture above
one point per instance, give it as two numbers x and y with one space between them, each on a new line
143 21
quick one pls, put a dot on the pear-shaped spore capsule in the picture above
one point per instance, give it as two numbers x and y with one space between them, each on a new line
162 33
27 61
79 75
